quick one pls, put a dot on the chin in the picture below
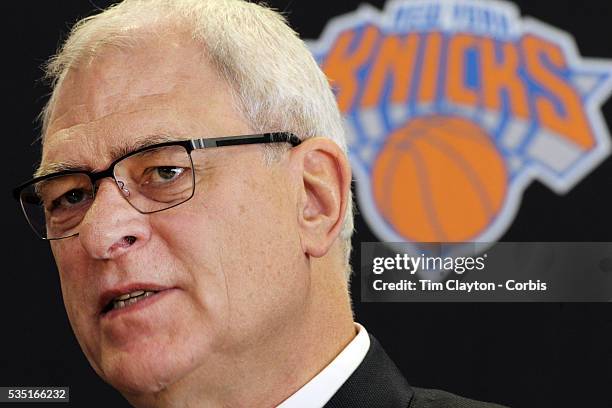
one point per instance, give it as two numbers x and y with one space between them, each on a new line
148 370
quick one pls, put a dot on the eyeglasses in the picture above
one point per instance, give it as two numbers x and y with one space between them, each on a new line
151 179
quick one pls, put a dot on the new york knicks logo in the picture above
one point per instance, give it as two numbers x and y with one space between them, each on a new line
453 107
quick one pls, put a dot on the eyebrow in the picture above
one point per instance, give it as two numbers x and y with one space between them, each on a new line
116 152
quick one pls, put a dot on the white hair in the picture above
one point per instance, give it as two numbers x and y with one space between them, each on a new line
276 83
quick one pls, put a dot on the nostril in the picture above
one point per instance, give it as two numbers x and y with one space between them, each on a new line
119 247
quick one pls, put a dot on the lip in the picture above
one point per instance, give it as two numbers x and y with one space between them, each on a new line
110 294
141 304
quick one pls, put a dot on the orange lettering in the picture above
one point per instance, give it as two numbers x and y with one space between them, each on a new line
396 57
571 121
497 76
455 76
341 67
431 66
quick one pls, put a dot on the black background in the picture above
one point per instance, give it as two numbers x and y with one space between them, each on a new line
522 355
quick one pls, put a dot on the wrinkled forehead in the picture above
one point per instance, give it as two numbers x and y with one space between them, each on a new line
123 94
99 80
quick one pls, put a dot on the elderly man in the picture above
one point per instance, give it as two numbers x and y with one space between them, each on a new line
195 190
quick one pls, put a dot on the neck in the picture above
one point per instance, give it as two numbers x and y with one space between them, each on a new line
269 371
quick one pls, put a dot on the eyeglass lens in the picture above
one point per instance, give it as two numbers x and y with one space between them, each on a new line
151 181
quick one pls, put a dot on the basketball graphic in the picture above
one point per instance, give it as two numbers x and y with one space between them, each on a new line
450 118
439 179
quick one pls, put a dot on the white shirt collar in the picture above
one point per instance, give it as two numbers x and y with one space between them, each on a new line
319 390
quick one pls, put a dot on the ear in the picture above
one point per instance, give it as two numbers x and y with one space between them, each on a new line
325 176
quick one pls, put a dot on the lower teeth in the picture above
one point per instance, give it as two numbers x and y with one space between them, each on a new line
119 304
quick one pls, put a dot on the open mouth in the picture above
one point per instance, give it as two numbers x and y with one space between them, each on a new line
128 299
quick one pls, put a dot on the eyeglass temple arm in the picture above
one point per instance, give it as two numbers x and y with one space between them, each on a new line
277 137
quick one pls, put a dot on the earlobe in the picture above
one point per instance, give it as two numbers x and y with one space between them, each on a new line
326 178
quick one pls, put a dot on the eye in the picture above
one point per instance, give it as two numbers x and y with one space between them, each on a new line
69 199
162 175
74 196
168 173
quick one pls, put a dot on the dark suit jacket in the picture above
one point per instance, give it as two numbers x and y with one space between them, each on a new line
378 383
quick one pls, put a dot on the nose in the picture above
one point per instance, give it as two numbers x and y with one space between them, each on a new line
112 227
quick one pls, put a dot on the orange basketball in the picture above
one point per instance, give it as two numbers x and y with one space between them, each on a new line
439 179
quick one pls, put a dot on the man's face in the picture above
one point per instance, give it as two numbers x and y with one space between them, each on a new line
227 264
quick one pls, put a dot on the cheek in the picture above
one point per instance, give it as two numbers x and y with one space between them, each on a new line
243 253
191 244
262 254
72 266
77 291
269 288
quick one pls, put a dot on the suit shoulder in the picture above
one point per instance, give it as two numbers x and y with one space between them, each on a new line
429 398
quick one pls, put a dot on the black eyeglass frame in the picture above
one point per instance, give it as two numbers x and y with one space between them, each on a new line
190 145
